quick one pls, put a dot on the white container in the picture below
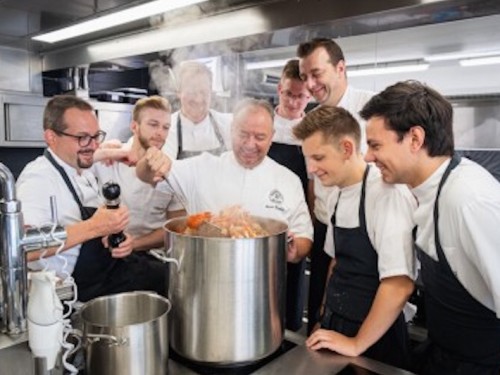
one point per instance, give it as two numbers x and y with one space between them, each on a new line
45 326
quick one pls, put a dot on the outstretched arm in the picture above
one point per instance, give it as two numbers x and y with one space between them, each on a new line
392 294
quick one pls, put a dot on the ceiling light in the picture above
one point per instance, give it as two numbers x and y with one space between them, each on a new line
480 61
386 68
114 19
459 55
266 64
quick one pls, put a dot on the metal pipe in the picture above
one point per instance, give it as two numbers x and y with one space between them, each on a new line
14 244
8 183
12 263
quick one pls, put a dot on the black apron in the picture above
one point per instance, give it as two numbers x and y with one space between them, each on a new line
319 263
97 273
352 287
183 154
464 335
291 156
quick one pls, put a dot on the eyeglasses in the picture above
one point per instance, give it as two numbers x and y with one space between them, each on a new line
288 94
86 139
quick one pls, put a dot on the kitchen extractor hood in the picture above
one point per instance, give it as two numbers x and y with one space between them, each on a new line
269 25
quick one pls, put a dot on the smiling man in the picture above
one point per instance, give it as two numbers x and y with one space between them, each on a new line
245 176
150 127
323 69
373 274
410 138
196 128
72 134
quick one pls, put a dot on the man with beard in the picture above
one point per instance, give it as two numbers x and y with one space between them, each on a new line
149 208
72 134
195 127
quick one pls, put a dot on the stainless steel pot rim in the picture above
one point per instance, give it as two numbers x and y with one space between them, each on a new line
278 227
88 305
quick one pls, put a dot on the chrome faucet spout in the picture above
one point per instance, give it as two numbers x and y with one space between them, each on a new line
14 243
7 182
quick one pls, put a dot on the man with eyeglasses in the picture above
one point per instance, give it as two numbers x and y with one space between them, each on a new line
286 150
72 135
323 69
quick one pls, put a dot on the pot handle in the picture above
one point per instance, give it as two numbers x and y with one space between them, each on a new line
165 259
92 338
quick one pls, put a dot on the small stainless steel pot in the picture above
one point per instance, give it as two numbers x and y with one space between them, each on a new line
126 334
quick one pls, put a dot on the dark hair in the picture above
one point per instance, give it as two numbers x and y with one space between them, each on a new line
411 103
332 122
291 70
333 49
53 114
155 102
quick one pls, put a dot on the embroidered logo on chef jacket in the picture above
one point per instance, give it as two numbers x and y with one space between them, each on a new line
276 199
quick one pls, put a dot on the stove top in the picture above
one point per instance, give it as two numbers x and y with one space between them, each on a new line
233 370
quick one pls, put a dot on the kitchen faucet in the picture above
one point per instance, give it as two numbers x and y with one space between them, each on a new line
15 242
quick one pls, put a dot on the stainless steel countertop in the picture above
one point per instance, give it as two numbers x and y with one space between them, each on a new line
300 361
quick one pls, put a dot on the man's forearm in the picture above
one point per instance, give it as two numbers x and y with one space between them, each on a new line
152 240
76 234
392 294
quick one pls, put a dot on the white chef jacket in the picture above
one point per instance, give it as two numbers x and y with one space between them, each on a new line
469 222
283 130
353 100
38 181
147 205
211 183
200 136
389 222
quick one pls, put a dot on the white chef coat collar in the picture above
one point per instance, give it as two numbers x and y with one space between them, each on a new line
232 158
71 171
344 101
283 130
428 188
86 175
187 122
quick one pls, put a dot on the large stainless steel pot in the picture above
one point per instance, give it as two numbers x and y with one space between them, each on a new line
228 295
126 333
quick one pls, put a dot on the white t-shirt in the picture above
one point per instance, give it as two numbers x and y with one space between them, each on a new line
198 137
389 222
211 183
147 205
38 181
469 222
283 130
353 100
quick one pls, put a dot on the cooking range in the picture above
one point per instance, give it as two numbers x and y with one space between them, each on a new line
250 368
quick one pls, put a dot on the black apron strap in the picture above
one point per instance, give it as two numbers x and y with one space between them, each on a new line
181 154
455 160
85 214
